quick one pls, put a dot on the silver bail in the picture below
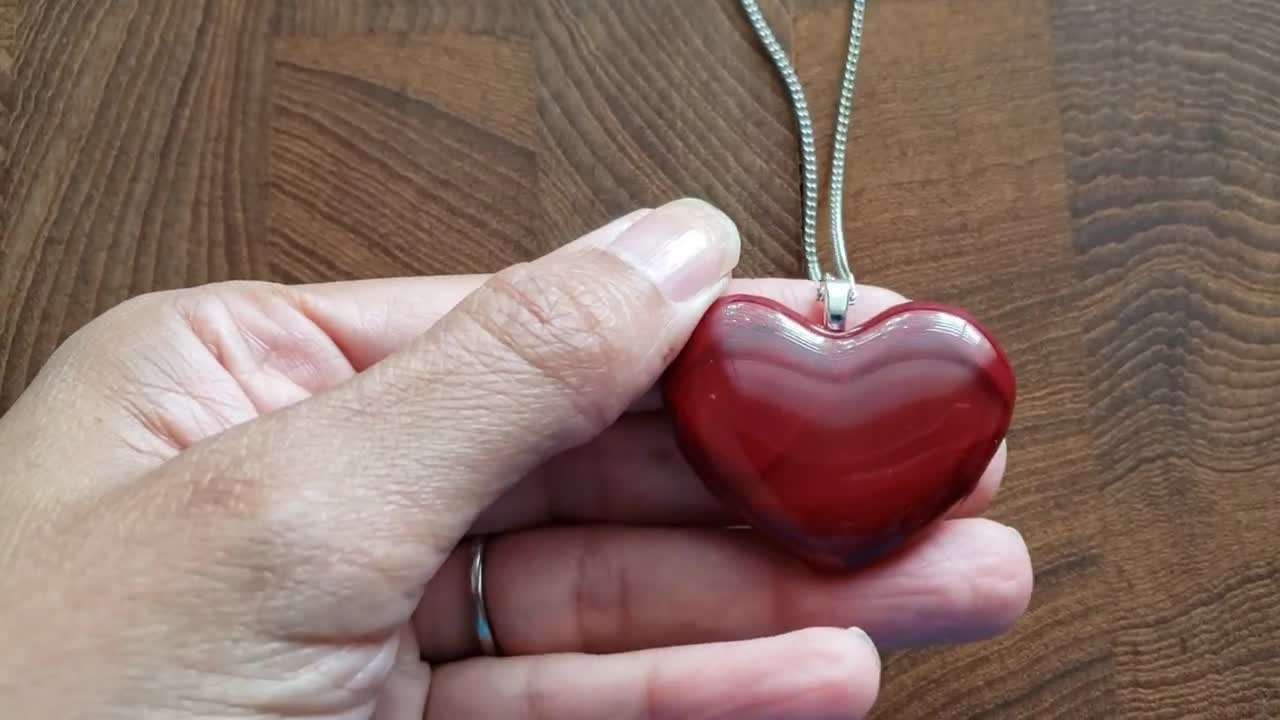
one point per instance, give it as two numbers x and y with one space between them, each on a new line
837 296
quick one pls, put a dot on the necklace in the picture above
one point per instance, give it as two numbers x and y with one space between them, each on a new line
840 444
838 292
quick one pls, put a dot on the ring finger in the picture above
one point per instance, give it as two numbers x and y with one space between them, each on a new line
604 590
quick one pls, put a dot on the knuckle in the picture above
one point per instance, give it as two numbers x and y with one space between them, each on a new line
564 328
558 323
601 594
240 321
144 312
149 319
209 316
262 335
164 363
233 293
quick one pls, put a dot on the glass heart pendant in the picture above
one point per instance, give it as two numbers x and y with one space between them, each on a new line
842 445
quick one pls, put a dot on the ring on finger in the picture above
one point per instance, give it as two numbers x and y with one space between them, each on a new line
480 615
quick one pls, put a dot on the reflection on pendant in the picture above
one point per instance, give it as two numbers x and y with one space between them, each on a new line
842 446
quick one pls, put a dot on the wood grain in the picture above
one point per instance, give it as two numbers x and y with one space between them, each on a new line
336 18
1170 113
956 193
8 29
378 168
135 162
638 106
1099 181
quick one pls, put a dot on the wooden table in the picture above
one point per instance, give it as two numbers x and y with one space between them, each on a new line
1097 179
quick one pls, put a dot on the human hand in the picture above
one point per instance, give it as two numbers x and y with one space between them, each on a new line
250 501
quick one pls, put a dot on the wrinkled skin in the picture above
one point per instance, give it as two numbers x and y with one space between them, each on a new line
247 501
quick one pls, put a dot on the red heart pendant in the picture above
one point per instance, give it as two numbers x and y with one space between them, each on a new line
840 445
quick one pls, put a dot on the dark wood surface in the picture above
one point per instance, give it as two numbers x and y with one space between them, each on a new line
1100 181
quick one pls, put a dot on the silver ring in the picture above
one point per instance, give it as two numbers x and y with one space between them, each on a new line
480 617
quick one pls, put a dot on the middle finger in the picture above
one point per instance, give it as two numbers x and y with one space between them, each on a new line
634 474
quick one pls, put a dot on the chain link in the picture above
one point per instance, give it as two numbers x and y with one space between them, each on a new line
808 151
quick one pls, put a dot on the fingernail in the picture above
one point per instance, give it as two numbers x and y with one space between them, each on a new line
1015 532
684 247
862 635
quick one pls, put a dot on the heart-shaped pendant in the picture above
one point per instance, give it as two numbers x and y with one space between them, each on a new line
842 446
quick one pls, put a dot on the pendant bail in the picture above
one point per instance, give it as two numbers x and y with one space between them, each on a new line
837 296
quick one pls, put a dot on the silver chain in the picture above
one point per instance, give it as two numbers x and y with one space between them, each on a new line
808 153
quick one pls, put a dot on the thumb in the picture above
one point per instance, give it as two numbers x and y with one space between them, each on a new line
396 463
545 355
558 348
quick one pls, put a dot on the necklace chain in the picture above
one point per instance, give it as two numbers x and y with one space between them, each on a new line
808 152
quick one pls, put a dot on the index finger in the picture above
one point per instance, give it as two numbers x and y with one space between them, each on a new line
371 319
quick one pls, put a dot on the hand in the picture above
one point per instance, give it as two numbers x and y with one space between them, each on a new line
247 501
